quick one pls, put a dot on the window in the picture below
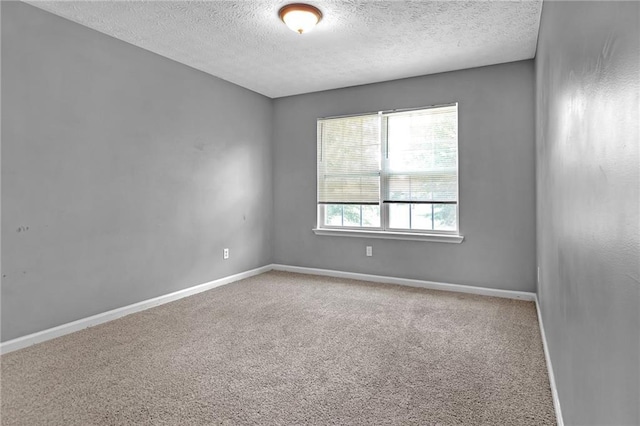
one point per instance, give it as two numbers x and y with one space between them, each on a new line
390 171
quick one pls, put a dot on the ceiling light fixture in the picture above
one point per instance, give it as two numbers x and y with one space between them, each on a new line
301 18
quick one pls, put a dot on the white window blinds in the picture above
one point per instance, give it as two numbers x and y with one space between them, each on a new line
349 160
421 164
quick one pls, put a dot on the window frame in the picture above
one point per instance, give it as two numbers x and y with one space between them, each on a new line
385 230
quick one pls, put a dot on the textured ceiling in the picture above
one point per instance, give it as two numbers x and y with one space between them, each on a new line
357 42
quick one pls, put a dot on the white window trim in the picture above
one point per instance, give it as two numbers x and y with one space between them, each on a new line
389 235
453 237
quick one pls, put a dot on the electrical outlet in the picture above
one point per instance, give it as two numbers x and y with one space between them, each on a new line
369 251
225 254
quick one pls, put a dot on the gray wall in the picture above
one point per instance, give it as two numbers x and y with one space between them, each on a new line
588 88
497 180
124 174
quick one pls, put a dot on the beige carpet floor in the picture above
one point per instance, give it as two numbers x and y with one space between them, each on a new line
283 348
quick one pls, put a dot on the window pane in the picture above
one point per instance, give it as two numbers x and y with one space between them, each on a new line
425 217
445 217
333 215
351 215
371 216
422 155
421 216
399 216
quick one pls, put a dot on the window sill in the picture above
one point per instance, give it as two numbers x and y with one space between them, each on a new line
387 235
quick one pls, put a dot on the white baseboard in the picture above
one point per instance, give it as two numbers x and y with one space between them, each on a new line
458 288
552 379
61 330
